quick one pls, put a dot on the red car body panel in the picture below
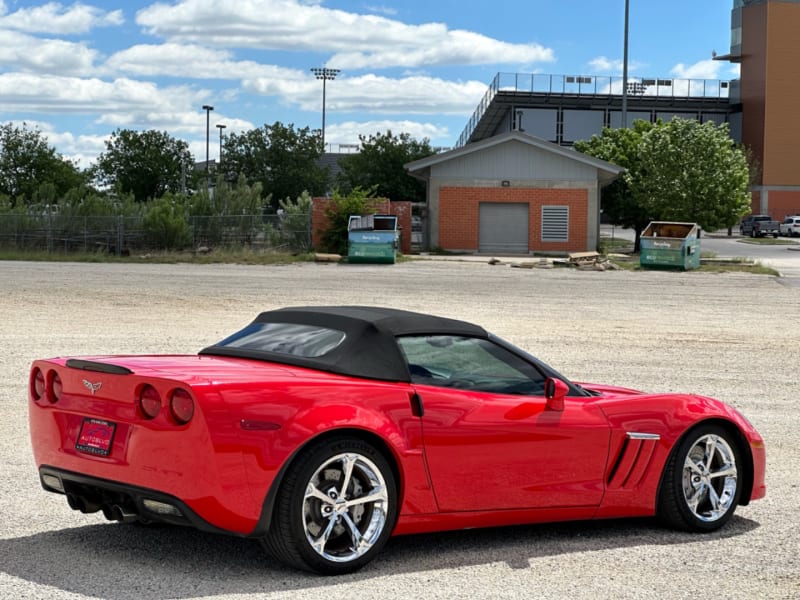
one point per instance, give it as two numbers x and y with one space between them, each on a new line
473 459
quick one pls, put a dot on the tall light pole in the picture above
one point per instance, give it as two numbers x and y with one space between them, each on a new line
220 126
325 74
625 70
208 108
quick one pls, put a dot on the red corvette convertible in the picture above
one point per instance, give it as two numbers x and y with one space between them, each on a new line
322 431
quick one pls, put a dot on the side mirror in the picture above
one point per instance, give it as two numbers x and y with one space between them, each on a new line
555 391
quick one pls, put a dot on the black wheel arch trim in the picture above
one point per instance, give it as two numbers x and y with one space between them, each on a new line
268 507
746 478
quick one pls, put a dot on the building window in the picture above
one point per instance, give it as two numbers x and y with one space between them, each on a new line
555 223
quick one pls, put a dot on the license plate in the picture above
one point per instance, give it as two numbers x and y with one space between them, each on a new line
96 436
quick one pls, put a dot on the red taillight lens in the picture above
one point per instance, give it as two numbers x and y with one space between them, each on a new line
182 406
149 402
38 384
54 387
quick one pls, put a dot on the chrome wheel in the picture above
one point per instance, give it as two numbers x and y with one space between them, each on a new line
336 508
345 507
702 480
710 478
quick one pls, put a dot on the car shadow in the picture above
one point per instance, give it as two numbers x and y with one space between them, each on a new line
129 562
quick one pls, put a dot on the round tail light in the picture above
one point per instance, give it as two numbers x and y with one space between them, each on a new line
38 384
54 387
182 406
149 402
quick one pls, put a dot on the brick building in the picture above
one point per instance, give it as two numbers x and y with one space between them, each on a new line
763 41
515 194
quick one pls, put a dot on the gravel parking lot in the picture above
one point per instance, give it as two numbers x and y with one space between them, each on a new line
732 336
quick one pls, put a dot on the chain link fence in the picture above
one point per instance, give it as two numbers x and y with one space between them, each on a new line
124 235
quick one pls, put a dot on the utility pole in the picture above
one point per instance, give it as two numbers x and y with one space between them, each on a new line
625 70
208 108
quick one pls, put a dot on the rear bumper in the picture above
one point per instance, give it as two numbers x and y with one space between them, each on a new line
120 501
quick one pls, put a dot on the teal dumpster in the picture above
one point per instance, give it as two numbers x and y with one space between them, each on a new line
667 244
372 239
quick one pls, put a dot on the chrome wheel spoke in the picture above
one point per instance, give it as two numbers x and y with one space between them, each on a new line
348 462
693 466
694 500
714 499
313 492
360 544
710 451
378 494
322 540
726 471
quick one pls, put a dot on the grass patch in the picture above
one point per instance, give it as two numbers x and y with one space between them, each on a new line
744 267
609 245
728 265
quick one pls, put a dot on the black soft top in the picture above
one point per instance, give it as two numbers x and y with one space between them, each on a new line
369 348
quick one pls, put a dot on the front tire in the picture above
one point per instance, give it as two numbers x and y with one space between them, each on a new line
702 482
336 508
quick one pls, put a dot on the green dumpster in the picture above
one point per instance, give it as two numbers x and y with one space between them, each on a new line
667 244
372 239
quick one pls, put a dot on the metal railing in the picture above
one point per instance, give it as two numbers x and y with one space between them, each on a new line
590 85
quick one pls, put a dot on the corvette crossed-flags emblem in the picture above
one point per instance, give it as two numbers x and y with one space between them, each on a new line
92 387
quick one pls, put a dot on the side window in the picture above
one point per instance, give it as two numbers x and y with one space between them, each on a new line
469 363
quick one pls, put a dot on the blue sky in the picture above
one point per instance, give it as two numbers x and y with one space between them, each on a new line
79 71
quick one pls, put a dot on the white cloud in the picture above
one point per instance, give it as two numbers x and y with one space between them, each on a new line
356 41
613 66
381 10
53 17
705 69
26 53
192 61
120 103
411 94
374 94
347 132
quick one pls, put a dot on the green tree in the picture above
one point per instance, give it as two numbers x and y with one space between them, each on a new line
30 169
164 223
284 160
693 172
147 164
338 211
677 171
619 201
380 164
295 226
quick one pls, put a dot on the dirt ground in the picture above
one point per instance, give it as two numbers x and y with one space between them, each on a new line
731 336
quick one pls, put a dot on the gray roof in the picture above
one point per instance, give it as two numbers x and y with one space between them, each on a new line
607 171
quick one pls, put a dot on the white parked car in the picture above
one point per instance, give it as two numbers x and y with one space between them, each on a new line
790 226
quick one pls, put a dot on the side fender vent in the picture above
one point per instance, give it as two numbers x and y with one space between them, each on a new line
633 460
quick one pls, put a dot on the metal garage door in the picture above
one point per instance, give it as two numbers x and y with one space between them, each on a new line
503 228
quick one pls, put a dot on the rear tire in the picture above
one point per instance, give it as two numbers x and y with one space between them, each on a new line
336 508
701 485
